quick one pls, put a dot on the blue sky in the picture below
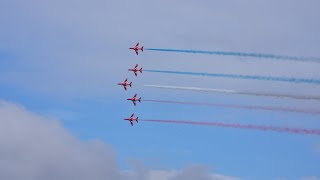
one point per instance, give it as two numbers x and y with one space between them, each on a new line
63 59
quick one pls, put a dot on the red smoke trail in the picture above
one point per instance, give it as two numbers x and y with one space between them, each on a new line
244 126
315 112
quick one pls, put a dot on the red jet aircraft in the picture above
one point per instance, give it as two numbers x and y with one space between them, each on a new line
135 70
134 99
136 48
131 119
125 84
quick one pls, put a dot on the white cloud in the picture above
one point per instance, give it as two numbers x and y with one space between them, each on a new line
36 148
198 172
310 178
33 147
79 48
281 178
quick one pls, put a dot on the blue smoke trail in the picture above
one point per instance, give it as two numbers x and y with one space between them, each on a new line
243 54
237 76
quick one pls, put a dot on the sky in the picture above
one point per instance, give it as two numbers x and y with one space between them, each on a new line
61 110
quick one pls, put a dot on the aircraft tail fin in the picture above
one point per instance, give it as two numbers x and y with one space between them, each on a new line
140 70
137 119
142 48
130 84
139 99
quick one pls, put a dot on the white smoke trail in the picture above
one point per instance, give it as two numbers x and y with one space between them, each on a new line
226 91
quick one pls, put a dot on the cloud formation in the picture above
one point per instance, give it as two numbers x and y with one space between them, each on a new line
86 42
310 178
36 148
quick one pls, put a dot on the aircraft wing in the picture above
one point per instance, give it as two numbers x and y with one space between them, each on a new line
125 88
137 44
134 103
136 66
135 73
131 123
137 52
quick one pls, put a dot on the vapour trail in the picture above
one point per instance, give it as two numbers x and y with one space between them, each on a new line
238 76
243 126
243 54
226 91
267 108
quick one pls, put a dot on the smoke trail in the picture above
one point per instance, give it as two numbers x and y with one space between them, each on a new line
243 126
226 91
267 108
236 76
243 54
